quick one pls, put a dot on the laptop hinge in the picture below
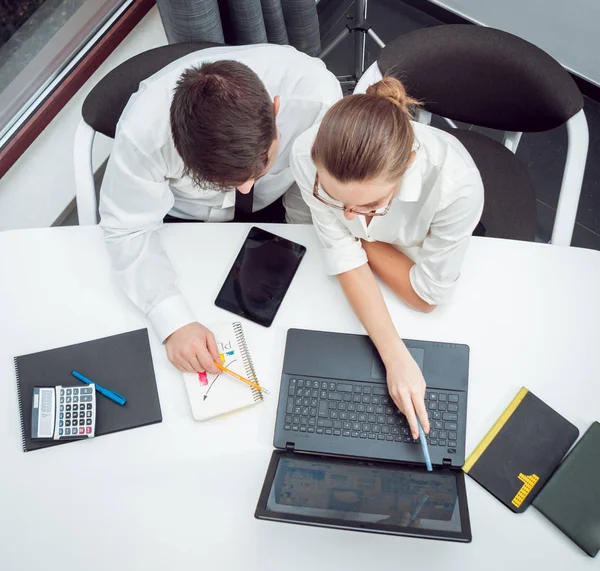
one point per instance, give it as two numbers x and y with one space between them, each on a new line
289 446
447 462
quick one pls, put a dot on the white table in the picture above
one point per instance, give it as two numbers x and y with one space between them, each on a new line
181 495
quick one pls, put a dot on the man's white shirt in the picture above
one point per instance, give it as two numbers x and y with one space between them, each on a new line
144 178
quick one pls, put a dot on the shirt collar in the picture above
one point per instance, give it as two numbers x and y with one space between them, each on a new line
228 199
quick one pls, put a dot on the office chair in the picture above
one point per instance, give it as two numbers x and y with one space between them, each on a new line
102 109
494 79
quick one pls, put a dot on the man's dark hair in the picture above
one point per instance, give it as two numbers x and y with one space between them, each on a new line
223 124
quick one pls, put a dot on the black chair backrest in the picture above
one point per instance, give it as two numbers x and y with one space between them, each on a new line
483 76
103 106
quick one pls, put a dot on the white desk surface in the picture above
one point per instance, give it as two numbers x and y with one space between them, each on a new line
181 495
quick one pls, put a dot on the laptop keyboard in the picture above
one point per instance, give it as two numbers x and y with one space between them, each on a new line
351 410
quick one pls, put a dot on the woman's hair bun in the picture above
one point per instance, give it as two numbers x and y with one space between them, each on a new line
392 89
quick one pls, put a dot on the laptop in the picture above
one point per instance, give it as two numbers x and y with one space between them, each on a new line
345 457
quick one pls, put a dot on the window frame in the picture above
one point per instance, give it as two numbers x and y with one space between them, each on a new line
49 100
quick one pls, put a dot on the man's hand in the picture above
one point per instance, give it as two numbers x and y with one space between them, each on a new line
407 388
193 348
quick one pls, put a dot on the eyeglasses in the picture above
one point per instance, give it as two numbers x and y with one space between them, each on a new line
359 211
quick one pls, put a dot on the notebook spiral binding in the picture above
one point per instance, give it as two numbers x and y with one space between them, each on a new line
20 399
248 364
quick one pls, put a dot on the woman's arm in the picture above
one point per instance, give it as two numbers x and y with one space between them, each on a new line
439 260
405 380
393 267
344 256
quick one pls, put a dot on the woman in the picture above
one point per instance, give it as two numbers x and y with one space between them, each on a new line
393 198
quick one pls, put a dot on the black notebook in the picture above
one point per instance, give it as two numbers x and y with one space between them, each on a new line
122 363
519 453
571 498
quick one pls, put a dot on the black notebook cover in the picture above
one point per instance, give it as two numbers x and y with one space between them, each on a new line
122 363
520 452
571 498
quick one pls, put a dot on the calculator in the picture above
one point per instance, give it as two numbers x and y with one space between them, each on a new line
61 413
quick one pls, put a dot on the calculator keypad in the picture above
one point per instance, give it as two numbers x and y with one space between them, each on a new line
77 417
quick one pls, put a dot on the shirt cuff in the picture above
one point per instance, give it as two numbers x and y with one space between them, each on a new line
344 259
430 291
170 315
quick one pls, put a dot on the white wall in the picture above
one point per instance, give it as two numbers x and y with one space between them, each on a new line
41 184
569 30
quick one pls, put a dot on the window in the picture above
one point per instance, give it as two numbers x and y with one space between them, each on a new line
41 42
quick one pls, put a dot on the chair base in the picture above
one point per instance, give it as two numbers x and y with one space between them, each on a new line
362 28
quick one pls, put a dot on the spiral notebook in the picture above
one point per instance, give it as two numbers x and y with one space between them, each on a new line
120 362
215 395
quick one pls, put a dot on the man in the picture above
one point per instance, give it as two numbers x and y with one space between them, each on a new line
209 131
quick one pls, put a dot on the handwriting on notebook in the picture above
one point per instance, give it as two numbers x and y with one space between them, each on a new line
213 395
226 350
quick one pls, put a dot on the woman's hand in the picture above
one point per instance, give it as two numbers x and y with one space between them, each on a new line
404 378
407 388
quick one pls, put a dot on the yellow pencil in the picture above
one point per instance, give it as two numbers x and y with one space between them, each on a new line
239 377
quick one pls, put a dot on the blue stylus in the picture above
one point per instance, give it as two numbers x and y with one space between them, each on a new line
424 447
112 395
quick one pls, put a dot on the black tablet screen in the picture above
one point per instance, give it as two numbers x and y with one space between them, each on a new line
260 276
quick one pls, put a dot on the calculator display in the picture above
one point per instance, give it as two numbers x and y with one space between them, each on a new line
64 412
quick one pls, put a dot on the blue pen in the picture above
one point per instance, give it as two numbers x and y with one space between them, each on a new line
424 447
112 395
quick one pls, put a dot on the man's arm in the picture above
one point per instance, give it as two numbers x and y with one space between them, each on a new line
393 267
134 199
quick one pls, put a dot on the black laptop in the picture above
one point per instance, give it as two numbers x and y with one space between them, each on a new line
345 455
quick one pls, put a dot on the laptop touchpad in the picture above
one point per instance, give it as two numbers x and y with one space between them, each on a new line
378 369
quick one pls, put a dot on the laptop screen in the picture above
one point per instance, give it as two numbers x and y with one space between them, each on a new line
359 494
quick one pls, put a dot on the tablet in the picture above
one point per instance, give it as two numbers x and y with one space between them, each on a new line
363 495
260 276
